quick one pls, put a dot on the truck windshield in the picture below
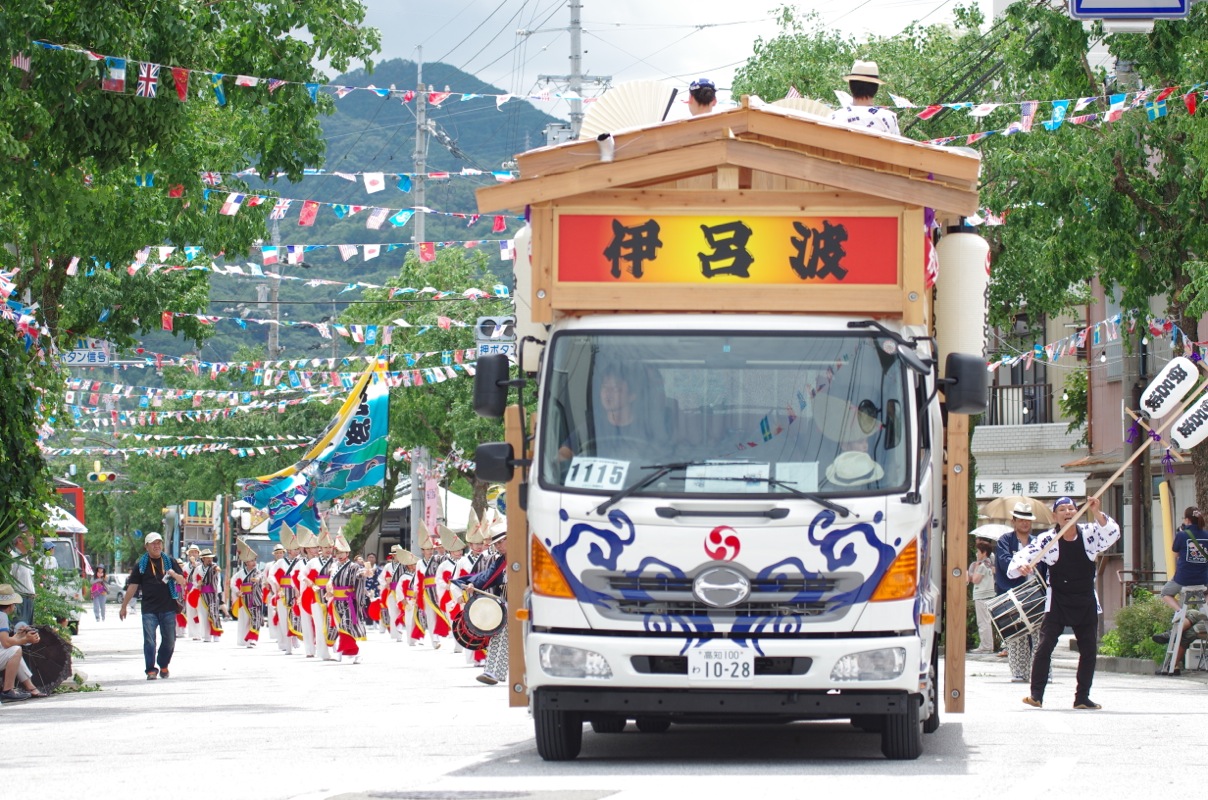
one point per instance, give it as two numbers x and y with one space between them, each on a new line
744 414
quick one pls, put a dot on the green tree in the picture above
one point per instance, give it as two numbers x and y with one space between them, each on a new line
69 154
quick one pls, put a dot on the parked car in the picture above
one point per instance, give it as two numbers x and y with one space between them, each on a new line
115 586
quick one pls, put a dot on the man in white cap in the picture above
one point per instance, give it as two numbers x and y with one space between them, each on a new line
863 81
389 597
162 580
1020 649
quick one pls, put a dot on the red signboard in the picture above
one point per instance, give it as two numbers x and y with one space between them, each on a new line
735 249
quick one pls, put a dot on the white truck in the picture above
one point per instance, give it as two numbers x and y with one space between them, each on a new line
731 486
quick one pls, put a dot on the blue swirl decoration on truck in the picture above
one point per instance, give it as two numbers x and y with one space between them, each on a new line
842 546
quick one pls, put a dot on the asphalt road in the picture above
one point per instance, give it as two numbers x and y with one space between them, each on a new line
413 723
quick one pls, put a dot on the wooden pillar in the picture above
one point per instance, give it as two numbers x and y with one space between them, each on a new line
517 561
956 544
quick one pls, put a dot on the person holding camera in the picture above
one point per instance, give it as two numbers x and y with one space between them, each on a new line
162 579
981 575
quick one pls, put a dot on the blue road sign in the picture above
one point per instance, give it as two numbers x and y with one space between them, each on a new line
1129 9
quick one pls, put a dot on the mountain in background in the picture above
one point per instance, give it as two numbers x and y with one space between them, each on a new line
369 133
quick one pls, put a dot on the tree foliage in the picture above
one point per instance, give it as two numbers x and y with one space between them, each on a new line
69 154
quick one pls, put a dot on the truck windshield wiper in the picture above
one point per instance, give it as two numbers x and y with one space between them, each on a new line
659 471
841 510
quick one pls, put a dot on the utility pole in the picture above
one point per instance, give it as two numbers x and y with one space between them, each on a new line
421 147
576 79
274 288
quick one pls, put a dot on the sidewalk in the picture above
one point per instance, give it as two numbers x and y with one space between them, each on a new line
1066 657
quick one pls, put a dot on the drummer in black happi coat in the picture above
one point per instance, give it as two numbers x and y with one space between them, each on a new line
1071 599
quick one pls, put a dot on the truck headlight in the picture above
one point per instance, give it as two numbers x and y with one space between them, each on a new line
560 661
871 665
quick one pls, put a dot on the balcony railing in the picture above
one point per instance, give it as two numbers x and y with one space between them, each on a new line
1020 404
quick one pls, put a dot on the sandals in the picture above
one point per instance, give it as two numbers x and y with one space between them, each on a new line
37 694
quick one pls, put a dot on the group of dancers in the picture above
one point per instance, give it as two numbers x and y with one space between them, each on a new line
313 596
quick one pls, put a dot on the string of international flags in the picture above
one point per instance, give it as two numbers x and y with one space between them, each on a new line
148 77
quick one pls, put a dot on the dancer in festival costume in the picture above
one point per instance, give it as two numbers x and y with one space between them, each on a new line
477 536
318 575
209 607
405 617
493 579
284 580
195 619
307 599
247 597
278 611
272 599
427 571
349 602
192 557
388 582
450 599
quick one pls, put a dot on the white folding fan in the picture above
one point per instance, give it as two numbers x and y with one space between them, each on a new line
628 105
806 105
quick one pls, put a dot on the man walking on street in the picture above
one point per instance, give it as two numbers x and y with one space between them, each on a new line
1071 598
161 578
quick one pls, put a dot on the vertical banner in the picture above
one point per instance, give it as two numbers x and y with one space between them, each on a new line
431 503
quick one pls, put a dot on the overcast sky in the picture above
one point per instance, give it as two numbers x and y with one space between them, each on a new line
625 39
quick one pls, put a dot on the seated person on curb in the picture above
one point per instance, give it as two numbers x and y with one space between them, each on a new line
1195 626
12 660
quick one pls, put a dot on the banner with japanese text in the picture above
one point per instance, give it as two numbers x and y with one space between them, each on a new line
746 249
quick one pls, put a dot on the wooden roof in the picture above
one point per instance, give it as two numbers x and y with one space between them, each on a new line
746 148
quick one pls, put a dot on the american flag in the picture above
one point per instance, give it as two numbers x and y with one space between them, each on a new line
21 62
211 178
148 80
792 92
274 84
1027 113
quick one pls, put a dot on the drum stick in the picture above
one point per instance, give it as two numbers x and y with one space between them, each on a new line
1170 418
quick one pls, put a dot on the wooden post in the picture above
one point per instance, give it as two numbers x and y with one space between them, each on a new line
956 543
517 561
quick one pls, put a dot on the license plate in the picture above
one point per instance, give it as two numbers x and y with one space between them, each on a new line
722 665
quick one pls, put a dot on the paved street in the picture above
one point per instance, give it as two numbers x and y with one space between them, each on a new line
412 723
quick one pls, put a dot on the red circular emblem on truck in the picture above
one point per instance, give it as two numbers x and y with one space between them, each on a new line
720 547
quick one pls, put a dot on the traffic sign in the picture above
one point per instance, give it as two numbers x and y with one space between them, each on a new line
87 353
1129 9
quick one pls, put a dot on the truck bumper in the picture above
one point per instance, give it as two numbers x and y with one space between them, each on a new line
793 678
710 704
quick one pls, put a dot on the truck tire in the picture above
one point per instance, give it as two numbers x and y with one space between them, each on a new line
653 724
932 723
608 724
559 734
902 738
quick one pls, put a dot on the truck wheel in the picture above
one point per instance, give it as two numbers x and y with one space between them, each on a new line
932 723
608 724
902 738
559 734
653 724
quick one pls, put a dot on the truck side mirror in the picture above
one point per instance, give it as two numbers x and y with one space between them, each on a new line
966 384
494 462
491 386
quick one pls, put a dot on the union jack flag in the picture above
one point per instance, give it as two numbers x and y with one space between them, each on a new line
279 209
211 178
148 80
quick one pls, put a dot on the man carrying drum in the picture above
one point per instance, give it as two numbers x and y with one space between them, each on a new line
1071 599
1019 648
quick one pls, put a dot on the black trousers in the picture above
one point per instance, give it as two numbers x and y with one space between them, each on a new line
1087 636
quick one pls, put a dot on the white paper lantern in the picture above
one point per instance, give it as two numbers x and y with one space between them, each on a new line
961 294
1192 427
1169 387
